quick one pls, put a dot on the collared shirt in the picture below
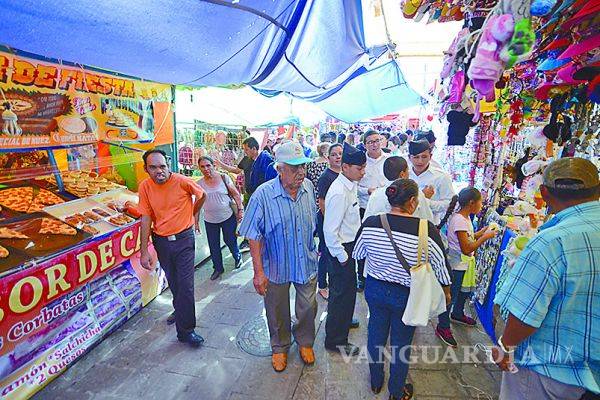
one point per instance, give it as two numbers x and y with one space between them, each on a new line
442 185
379 204
262 171
436 164
286 228
170 205
374 178
555 287
342 217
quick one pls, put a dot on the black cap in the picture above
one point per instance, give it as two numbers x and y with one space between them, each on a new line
351 155
417 147
429 136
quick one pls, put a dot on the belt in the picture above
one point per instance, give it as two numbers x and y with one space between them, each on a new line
175 237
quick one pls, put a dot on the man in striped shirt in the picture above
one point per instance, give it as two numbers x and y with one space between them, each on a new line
280 223
553 295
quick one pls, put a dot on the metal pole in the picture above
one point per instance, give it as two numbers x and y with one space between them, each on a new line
174 160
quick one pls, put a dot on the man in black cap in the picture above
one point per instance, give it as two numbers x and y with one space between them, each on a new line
430 137
341 223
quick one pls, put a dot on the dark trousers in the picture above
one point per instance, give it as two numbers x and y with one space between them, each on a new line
387 302
213 235
342 298
458 300
361 262
324 261
177 260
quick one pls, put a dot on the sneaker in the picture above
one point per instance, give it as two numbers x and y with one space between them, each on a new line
464 320
360 286
324 293
238 263
445 335
171 318
244 246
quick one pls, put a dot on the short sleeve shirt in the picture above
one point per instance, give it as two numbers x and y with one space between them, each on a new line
170 205
458 223
245 165
325 181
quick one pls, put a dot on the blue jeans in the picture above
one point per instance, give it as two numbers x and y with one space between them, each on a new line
213 234
458 300
324 258
387 302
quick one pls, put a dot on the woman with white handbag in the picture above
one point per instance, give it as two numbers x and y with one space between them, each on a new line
408 280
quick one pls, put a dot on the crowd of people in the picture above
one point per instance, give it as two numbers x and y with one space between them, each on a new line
356 218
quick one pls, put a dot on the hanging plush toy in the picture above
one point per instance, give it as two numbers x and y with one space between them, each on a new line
10 121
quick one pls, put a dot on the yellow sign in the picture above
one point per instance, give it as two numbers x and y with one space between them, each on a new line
46 105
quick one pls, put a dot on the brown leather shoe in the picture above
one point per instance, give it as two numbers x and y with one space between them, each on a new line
279 361
307 355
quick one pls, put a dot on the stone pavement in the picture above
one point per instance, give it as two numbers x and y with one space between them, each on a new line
143 359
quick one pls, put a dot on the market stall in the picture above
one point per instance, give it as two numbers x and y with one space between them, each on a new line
519 88
70 162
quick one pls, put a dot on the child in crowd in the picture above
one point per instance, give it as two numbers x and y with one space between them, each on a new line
462 243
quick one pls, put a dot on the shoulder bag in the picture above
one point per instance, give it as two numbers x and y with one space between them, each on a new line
426 298
232 202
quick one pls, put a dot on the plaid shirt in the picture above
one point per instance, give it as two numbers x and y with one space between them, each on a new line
555 287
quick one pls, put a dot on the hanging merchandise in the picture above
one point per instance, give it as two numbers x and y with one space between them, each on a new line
520 88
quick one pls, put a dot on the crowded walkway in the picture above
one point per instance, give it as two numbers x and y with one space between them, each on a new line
143 359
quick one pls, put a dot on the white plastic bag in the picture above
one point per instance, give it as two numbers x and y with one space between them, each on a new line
426 298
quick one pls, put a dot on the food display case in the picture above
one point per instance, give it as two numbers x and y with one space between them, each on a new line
70 272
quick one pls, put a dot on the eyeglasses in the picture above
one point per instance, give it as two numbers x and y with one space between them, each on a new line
372 142
297 168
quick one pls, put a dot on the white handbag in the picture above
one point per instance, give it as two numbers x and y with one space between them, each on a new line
426 298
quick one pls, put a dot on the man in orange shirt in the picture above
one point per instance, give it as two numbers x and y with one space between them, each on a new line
168 210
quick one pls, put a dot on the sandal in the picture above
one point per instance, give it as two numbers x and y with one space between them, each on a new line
410 8
450 54
409 391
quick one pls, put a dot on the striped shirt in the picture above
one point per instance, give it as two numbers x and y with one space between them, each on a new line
286 229
555 287
381 261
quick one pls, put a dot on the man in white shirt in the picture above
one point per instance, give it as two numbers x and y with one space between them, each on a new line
340 225
372 180
430 137
395 168
435 183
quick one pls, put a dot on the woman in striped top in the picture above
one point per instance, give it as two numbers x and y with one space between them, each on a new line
388 283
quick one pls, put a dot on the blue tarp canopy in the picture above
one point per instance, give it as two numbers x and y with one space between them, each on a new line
307 48
376 92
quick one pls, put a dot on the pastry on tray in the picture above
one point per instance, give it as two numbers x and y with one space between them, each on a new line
7 233
120 220
18 199
3 252
55 227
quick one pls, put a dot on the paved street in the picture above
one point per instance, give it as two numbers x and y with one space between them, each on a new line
143 359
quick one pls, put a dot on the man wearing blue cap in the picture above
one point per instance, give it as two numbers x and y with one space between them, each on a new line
341 223
280 223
